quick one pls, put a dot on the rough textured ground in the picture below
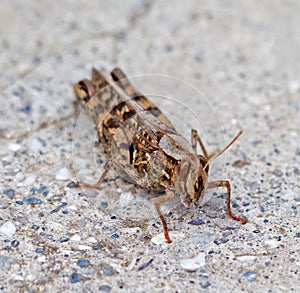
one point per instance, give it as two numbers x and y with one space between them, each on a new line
233 64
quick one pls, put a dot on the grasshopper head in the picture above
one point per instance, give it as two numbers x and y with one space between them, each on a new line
192 179
85 89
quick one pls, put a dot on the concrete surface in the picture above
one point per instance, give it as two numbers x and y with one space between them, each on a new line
242 57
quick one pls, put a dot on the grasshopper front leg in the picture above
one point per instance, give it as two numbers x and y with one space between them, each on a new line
161 200
196 138
226 184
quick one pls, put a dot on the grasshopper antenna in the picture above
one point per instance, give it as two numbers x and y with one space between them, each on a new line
225 149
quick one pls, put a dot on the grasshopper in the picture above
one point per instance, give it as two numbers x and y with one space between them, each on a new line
144 147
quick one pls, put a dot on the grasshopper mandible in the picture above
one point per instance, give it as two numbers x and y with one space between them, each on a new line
143 146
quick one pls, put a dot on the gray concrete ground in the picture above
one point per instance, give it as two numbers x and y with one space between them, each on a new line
233 64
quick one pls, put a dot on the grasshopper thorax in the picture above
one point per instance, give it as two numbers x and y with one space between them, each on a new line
191 179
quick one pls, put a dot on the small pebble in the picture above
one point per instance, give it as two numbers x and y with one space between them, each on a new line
125 199
104 204
14 147
96 247
35 227
45 193
193 263
251 276
90 192
41 189
224 240
174 235
9 192
108 271
29 180
39 250
19 202
8 229
145 265
115 236
131 231
35 145
104 288
15 243
84 247
26 109
196 222
246 258
205 285
271 243
63 239
83 263
32 200
221 241
72 185
75 237
75 278
63 174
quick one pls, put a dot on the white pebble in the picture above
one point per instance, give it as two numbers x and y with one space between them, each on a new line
29 180
41 258
35 145
193 263
8 229
294 86
90 192
246 258
63 174
92 240
14 147
84 247
125 199
174 235
75 237
131 231
31 277
271 243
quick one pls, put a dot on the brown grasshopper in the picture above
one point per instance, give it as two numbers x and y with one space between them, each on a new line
144 147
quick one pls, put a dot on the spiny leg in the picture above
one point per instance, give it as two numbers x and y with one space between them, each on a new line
100 180
226 184
196 138
161 200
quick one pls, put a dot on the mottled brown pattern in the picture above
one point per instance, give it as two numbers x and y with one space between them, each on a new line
142 144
